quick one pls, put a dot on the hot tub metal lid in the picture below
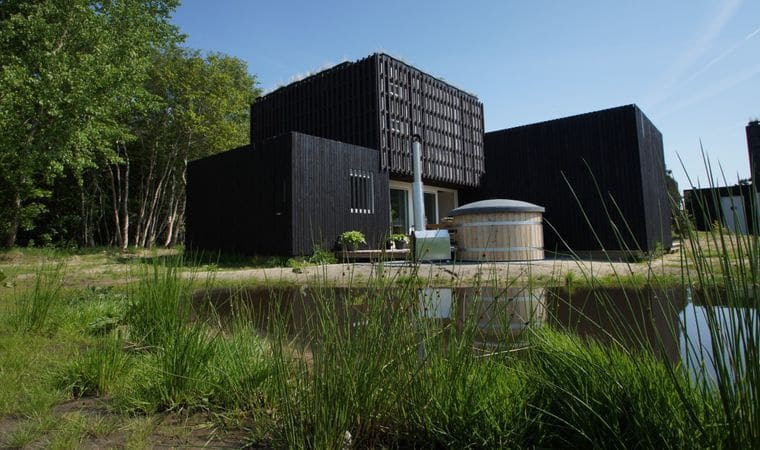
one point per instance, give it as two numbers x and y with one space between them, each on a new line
496 205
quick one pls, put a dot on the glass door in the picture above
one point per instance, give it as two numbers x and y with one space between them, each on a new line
399 210
431 207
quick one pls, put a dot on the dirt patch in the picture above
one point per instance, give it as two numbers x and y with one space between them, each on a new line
195 431
8 426
103 428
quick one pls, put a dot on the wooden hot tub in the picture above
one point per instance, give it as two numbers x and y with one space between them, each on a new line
499 230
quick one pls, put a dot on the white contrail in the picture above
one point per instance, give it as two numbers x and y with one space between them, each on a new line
753 34
715 89
718 58
683 64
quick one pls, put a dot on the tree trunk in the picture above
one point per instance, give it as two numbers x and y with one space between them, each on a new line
115 198
10 237
125 202
173 206
120 197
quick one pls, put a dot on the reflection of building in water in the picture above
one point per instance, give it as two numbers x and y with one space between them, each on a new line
501 313
729 320
637 318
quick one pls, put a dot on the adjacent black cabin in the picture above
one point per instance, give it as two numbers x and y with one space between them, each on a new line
285 195
734 207
602 171
380 102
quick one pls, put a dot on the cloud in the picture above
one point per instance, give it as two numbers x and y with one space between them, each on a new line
684 63
724 54
753 34
714 89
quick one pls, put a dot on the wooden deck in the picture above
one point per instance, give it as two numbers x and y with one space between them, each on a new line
374 255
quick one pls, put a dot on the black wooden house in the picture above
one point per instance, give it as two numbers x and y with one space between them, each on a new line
600 176
332 153
372 108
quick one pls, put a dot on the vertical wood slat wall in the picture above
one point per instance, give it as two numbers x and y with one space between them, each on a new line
321 173
380 102
282 196
598 157
239 201
652 167
449 121
753 148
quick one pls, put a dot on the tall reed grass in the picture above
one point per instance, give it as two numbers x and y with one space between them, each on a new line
366 367
34 306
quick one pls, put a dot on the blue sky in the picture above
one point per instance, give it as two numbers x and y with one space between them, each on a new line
692 66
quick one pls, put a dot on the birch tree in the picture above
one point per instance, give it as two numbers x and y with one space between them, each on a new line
69 72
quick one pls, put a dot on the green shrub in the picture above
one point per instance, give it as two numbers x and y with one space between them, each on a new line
178 374
159 304
99 371
352 238
322 256
33 308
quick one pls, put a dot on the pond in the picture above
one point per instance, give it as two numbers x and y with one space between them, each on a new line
672 323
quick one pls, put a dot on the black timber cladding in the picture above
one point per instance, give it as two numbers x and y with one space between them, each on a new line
239 201
753 147
612 160
322 193
283 196
380 102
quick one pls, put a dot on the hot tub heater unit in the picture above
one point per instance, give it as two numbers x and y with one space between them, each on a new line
429 245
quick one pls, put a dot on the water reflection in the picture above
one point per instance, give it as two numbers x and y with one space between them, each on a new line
732 325
667 322
671 323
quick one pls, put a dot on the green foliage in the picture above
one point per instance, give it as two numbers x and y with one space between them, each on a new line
98 372
71 71
178 373
160 305
322 256
586 394
398 237
241 368
352 238
35 306
99 96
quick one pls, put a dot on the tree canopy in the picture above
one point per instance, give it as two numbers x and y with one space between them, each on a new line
90 90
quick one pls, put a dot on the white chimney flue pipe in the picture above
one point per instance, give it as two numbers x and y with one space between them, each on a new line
418 200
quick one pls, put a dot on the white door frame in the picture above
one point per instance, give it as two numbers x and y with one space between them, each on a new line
426 189
733 211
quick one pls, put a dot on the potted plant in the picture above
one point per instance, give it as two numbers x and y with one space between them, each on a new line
351 240
399 240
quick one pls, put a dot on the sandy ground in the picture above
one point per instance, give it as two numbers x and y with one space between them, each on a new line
110 269
448 273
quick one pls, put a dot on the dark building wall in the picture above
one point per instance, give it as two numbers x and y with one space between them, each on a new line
239 201
753 146
657 204
339 103
605 167
321 171
281 197
380 102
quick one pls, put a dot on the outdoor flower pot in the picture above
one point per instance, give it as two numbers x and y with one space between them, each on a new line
351 240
